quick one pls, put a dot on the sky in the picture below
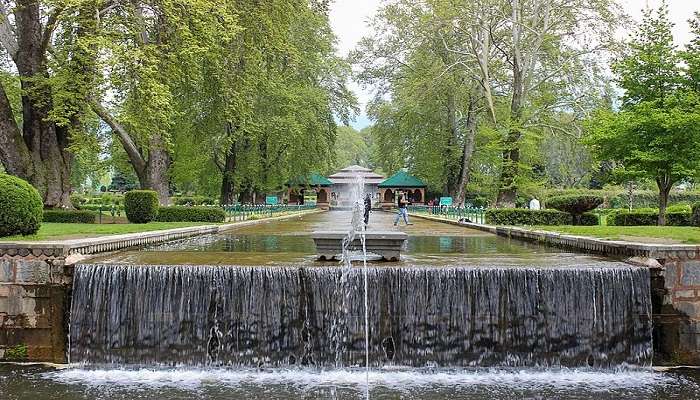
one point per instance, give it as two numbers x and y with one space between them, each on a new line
349 21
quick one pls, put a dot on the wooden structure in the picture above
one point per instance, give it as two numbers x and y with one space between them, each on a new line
314 182
401 181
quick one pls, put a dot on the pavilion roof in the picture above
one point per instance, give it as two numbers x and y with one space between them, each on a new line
402 179
349 173
313 179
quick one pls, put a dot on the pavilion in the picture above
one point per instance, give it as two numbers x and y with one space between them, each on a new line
314 182
402 181
346 177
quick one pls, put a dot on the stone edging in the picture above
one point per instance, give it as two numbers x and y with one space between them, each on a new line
619 248
102 244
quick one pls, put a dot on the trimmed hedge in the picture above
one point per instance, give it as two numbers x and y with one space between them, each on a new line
190 214
70 216
649 218
21 207
141 206
193 201
589 219
575 204
524 216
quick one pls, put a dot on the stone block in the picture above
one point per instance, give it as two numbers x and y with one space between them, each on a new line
671 275
691 273
6 271
689 308
684 293
34 271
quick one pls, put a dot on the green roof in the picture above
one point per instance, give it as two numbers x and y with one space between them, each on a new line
311 180
402 179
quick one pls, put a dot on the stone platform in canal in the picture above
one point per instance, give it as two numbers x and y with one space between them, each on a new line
387 244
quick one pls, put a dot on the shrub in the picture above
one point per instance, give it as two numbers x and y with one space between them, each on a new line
695 218
589 219
648 217
141 206
193 201
575 204
20 207
524 216
190 214
70 216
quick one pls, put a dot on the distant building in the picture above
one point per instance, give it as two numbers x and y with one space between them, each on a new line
412 187
343 181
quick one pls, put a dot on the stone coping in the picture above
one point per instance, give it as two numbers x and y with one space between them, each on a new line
394 235
587 244
102 244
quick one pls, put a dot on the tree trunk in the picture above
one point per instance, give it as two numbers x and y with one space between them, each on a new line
228 186
664 184
39 154
157 169
452 140
467 151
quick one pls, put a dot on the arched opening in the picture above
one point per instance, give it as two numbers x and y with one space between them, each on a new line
388 196
417 196
322 196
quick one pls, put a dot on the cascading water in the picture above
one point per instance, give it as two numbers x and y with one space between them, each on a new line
357 226
597 316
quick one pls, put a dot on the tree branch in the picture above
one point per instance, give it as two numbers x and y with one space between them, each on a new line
8 37
49 28
130 147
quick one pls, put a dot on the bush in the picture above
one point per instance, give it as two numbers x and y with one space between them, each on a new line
589 219
190 214
524 216
193 201
20 207
695 217
649 217
70 216
575 204
141 206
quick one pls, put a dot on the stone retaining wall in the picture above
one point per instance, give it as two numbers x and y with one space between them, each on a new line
36 280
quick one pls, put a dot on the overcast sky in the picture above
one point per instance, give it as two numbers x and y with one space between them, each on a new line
349 17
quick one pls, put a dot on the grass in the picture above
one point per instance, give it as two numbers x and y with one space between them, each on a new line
57 231
647 234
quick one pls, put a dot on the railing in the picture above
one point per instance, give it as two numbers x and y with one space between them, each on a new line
241 212
469 214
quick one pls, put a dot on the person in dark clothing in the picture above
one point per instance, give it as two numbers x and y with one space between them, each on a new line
368 208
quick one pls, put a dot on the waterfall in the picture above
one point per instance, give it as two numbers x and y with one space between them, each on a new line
596 316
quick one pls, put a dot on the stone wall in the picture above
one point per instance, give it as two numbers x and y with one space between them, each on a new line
34 298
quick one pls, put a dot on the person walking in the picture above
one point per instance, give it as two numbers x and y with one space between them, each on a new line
402 203
368 209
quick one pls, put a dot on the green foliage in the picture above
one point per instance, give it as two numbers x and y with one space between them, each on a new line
656 134
190 214
70 216
588 219
20 207
193 201
695 215
141 206
575 204
644 217
524 216
16 353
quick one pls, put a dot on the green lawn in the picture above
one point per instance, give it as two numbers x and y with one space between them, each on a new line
647 234
56 231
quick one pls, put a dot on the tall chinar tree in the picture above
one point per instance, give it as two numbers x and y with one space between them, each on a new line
42 94
425 109
271 99
150 48
656 132
537 60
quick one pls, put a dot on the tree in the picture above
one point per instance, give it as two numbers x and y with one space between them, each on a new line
36 132
656 133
